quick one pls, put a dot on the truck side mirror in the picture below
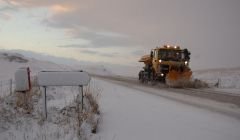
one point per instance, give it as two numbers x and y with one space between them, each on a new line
187 54
151 54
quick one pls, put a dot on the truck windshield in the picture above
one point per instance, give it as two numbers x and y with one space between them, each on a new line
171 55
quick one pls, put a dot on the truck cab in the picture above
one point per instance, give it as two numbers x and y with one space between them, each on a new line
167 58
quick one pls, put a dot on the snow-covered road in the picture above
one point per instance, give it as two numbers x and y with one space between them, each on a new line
132 114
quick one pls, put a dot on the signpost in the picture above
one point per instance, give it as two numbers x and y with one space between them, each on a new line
62 78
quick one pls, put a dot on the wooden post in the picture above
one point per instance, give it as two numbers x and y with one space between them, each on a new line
11 86
81 92
82 96
45 102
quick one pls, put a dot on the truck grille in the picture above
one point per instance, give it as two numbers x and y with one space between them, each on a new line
164 68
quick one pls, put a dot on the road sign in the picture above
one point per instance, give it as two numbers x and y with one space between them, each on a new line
63 78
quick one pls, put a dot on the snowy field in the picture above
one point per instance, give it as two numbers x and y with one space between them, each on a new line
21 122
127 112
226 80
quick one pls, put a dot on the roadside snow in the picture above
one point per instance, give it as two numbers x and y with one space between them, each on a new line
221 78
17 123
225 80
131 114
63 121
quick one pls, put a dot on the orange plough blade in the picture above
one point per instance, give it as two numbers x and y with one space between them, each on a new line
178 79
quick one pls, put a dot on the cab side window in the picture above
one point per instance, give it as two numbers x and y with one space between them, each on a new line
155 54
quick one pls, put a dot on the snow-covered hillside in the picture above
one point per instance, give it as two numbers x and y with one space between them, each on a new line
10 62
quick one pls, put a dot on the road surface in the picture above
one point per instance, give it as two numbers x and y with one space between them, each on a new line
131 111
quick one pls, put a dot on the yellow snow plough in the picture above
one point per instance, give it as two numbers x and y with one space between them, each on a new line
167 64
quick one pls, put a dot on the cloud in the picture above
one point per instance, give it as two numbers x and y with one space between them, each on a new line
7 5
107 21
202 26
100 38
81 23
5 16
138 53
89 52
11 2
33 3
60 8
7 9
73 46
97 39
99 53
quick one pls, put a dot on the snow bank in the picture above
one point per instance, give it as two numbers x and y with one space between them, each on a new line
221 78
66 120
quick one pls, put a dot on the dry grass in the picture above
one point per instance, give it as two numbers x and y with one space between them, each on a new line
94 109
72 114
93 103
89 115
25 100
92 96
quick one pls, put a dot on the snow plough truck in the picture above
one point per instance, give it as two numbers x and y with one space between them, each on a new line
167 64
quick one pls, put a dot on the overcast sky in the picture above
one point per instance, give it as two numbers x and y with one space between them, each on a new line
120 31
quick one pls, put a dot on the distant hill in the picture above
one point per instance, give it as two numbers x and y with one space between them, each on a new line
13 57
10 62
